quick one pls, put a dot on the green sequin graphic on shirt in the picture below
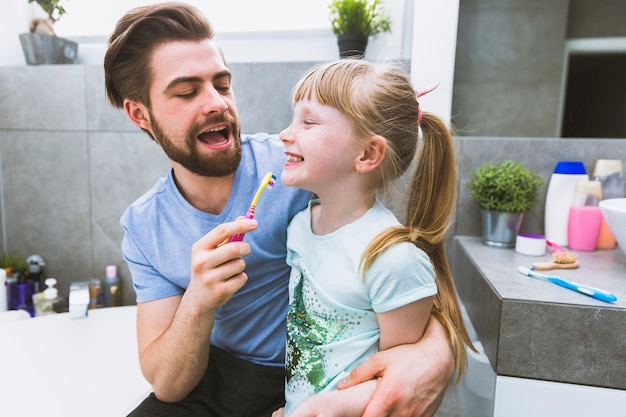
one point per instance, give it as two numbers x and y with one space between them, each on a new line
307 331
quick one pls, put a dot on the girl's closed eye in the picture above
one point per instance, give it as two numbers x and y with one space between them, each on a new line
223 88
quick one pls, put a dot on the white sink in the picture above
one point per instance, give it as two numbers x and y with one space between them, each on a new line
56 366
614 211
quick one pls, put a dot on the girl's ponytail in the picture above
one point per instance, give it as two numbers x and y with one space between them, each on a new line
430 205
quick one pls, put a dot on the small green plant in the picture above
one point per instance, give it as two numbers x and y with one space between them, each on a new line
508 187
53 7
366 17
11 261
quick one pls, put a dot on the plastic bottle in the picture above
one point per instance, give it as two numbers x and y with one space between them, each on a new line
48 301
95 294
559 198
112 288
21 293
4 289
610 173
585 217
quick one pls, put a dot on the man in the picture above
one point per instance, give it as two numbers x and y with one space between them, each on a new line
210 323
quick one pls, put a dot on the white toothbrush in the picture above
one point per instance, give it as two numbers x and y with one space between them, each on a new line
583 289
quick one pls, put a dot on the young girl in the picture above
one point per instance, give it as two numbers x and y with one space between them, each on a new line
361 281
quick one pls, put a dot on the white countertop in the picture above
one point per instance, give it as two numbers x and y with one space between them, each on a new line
534 329
56 366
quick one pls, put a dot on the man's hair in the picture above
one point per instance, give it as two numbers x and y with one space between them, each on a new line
127 70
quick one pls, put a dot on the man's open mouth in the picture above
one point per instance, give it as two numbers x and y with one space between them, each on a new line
215 136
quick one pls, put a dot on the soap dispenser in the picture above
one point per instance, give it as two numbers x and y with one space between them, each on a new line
48 301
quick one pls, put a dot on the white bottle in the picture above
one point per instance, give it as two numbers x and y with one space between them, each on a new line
559 199
4 288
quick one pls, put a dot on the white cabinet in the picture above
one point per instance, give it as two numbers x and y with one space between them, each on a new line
518 397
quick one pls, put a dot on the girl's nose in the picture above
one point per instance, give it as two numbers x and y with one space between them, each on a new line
286 135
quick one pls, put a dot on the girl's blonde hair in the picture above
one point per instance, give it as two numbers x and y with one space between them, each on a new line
379 99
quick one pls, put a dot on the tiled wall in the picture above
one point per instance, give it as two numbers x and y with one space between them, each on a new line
510 61
538 154
71 164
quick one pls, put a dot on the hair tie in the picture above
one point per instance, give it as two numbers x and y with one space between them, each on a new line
418 94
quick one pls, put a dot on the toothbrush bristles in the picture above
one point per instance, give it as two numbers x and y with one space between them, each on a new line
272 182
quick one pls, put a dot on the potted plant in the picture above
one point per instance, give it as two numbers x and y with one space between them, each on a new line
40 44
504 192
11 264
354 21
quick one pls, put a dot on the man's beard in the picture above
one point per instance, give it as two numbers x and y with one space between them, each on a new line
185 152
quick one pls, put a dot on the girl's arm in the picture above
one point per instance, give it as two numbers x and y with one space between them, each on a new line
399 393
404 325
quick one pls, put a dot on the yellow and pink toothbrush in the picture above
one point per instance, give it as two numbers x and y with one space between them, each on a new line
268 182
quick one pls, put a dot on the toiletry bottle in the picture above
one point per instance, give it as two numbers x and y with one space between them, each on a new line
95 294
46 302
559 197
112 293
4 289
585 217
610 173
35 271
21 294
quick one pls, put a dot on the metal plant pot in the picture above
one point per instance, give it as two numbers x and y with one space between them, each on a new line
352 45
500 229
42 49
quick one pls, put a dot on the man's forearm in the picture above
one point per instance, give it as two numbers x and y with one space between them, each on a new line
176 361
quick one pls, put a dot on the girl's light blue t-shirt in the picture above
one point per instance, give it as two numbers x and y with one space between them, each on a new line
161 226
331 323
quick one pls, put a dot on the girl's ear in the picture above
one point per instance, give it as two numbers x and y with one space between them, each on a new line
373 154
138 114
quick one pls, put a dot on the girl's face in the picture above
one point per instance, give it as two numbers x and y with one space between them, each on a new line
320 147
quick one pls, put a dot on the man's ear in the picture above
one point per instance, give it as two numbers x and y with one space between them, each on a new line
373 154
138 114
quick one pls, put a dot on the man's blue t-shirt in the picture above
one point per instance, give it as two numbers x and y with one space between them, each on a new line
161 226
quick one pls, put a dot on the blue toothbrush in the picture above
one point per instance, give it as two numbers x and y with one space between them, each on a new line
574 286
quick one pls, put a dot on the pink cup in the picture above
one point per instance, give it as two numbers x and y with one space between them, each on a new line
583 227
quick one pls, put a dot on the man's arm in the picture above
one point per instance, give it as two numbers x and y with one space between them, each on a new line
344 403
173 334
412 378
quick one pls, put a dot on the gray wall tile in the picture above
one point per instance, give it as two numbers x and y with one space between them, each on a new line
587 20
509 60
122 166
46 201
102 116
43 97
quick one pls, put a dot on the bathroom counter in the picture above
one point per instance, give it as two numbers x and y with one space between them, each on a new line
54 365
531 328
